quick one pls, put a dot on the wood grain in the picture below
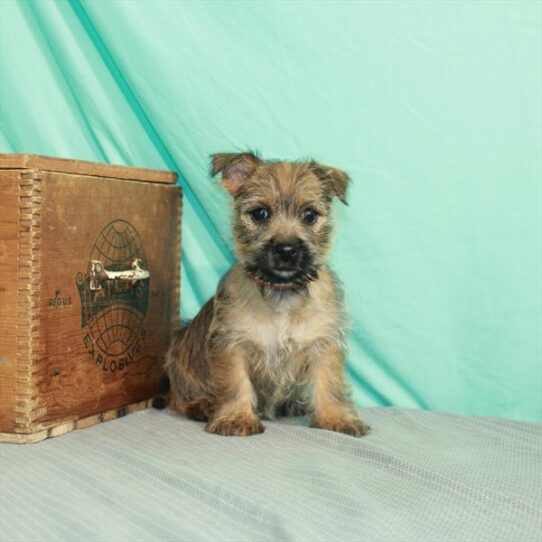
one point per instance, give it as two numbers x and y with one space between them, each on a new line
67 353
81 167
67 427
15 279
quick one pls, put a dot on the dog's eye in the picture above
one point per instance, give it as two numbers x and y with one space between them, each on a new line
309 216
261 214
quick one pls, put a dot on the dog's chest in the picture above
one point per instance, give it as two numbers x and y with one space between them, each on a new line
276 332
283 330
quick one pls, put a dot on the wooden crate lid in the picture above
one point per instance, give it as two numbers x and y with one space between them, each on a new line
80 167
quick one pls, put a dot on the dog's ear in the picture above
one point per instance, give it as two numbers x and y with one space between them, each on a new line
336 180
236 168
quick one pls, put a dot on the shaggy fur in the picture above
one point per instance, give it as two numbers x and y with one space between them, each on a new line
271 340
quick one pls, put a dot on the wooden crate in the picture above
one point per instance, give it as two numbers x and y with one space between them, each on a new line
82 331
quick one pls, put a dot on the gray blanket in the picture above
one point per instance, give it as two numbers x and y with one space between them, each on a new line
153 476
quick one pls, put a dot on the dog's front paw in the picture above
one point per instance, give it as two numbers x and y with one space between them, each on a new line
348 425
239 426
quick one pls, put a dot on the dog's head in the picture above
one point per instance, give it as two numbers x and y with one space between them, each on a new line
282 223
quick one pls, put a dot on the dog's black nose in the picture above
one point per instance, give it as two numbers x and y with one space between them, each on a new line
285 252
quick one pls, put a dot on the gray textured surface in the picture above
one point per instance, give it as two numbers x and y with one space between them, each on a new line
418 476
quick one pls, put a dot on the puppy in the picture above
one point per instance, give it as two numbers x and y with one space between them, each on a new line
271 341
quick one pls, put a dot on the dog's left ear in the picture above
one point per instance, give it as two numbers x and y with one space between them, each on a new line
336 180
236 168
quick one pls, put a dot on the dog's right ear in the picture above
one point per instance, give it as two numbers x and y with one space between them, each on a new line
336 180
236 168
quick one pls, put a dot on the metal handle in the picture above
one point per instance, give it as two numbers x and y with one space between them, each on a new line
98 273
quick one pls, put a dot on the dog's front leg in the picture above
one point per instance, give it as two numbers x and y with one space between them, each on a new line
235 397
332 409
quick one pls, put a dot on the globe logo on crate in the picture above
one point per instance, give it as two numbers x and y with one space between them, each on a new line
114 299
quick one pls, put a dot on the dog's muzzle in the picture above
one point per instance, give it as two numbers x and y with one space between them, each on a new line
283 265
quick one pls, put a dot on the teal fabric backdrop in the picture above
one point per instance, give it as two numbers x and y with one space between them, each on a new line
433 107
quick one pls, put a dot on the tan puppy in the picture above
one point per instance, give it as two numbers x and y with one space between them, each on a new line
271 340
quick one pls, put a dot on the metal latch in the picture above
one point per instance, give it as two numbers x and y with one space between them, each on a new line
99 274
